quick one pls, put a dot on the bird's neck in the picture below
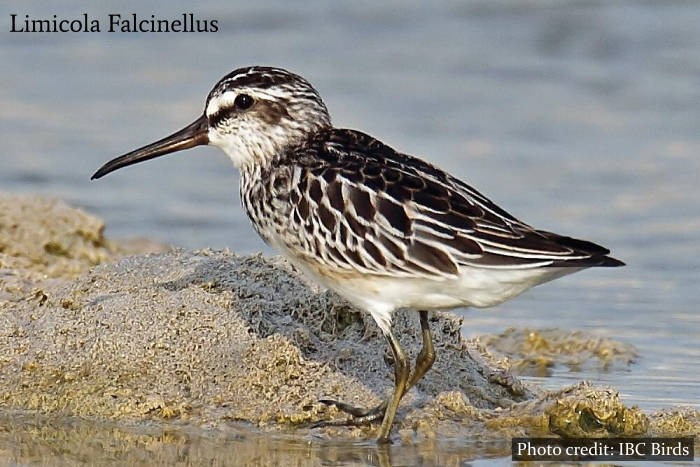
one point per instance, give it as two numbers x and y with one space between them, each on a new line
252 153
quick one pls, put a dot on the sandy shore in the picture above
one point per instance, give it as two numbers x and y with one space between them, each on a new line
135 332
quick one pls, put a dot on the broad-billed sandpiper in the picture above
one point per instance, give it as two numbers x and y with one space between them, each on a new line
383 229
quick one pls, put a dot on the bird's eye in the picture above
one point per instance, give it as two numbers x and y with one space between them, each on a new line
243 101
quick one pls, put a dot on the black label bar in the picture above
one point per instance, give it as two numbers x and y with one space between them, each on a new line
603 449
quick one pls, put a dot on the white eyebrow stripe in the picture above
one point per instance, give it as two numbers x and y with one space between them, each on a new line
227 99
217 103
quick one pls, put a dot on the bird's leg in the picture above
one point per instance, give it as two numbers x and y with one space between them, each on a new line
402 369
425 359
363 416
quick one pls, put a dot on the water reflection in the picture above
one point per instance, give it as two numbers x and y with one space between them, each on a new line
29 438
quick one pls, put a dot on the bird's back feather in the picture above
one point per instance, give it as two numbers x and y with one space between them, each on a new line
356 205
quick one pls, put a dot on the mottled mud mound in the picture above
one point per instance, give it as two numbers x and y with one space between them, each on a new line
535 352
47 238
209 337
43 238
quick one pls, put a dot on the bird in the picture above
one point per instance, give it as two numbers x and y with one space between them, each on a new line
385 230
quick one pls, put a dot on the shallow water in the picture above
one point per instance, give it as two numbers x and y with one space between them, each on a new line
581 118
31 440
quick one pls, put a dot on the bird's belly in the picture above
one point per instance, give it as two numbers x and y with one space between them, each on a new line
477 287
484 287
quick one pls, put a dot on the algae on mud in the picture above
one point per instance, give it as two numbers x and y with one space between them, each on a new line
210 339
535 351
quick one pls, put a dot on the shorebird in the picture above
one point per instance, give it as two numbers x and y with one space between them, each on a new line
386 230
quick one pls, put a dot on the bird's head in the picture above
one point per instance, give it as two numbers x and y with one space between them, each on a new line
252 114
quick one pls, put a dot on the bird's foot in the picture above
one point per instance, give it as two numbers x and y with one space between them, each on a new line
359 416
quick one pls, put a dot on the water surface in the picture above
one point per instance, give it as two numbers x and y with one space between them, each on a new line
578 117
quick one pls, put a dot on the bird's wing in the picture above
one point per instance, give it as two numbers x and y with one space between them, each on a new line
371 209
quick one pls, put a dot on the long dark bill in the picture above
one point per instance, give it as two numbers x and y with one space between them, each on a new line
194 134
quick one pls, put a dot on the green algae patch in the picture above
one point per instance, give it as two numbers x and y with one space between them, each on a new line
534 352
678 421
585 411
580 410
